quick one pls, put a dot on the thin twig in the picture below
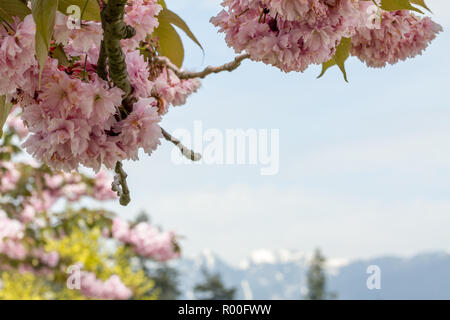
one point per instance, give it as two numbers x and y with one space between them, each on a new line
183 75
120 184
188 153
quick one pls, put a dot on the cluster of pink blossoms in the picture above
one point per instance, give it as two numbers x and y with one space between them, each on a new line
147 241
15 124
401 35
111 289
11 234
76 118
54 187
142 16
26 206
289 34
9 176
293 34
171 90
16 54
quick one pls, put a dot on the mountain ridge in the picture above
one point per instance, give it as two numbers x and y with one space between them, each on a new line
281 274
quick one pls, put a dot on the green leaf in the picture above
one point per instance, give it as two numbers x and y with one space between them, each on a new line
5 16
13 8
91 8
327 65
339 58
162 3
170 44
5 108
342 54
394 5
60 55
421 3
169 16
44 13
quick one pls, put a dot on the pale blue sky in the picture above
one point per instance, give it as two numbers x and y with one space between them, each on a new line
364 166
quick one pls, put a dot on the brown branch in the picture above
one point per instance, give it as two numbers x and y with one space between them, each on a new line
188 153
183 75
114 30
120 184
112 56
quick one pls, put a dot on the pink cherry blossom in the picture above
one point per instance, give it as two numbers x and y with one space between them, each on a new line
172 90
11 233
16 54
102 187
142 16
61 119
139 74
9 176
78 39
401 35
111 289
289 34
140 129
146 240
15 123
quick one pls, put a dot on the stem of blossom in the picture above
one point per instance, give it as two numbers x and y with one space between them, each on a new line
120 184
188 153
233 65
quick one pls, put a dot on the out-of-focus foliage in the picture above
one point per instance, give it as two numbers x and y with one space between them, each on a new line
317 280
45 230
213 288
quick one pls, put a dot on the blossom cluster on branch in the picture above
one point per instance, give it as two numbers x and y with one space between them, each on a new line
294 34
98 95
73 115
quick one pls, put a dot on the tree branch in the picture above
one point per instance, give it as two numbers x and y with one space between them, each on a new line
114 30
188 153
183 75
102 63
111 55
120 184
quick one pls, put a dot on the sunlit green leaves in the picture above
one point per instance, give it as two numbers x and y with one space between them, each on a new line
173 18
5 108
341 55
89 9
13 8
393 5
44 13
170 44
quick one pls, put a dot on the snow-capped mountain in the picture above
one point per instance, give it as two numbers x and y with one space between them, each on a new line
281 274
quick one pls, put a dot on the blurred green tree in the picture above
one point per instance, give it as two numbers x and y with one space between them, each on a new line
213 288
317 280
